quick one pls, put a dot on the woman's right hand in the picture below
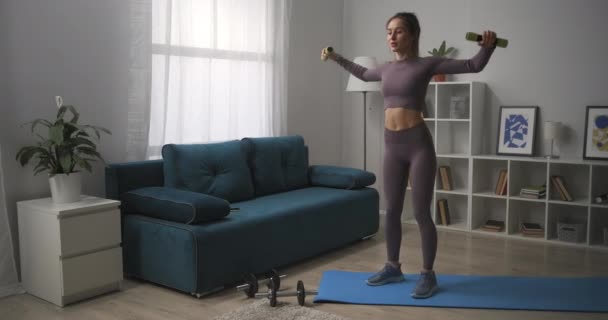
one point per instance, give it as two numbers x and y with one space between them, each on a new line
327 54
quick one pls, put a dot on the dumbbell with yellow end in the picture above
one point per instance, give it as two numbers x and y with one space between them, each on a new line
327 53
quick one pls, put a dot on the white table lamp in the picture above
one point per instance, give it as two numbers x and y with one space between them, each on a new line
551 130
357 85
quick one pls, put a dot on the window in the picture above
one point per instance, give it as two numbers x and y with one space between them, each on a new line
212 70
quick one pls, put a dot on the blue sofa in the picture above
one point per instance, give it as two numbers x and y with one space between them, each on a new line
208 214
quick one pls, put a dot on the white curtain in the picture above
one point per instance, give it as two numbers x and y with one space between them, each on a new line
8 270
206 70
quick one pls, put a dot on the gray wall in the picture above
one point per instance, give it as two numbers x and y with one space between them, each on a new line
74 48
555 60
7 275
3 70
315 90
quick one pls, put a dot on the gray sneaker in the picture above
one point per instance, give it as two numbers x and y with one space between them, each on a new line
426 285
388 274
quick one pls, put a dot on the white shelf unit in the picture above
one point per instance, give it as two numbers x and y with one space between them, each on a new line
458 143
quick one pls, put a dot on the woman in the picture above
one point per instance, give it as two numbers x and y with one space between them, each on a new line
408 143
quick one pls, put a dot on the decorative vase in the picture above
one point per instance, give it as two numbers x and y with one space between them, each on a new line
65 188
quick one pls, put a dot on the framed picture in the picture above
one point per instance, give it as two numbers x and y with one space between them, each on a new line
596 133
517 130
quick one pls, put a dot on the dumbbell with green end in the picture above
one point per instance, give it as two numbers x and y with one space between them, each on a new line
252 284
301 293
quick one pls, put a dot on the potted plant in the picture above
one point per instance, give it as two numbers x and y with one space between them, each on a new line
441 52
67 147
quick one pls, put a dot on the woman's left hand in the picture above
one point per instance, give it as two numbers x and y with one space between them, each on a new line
488 40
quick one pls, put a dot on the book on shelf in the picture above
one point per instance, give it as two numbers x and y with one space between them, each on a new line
501 185
557 189
533 192
493 226
444 211
446 178
602 198
530 229
533 234
558 183
531 226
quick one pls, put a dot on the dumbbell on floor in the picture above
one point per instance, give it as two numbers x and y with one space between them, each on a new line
301 293
252 284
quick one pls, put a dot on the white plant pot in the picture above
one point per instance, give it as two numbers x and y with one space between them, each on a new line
65 188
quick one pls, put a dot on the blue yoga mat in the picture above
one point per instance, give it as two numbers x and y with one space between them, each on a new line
460 291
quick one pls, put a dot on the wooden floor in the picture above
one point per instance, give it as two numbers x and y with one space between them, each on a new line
458 253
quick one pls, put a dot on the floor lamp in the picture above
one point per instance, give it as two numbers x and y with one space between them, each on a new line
357 85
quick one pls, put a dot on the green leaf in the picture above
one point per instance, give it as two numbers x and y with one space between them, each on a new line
43 139
26 154
61 112
68 144
97 129
85 164
82 141
66 162
75 114
42 164
442 47
82 134
37 122
56 133
69 129
102 129
89 151
40 170
47 144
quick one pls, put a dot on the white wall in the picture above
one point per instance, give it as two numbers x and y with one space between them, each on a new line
315 90
555 60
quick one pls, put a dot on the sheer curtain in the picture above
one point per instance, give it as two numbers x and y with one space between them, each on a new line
8 271
205 71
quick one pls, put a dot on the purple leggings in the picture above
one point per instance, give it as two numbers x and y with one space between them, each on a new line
410 152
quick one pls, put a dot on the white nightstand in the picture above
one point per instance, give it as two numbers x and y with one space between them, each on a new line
72 251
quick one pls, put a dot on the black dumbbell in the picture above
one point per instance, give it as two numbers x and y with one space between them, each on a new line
300 293
252 284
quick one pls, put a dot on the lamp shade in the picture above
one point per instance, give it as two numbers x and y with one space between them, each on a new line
551 129
355 84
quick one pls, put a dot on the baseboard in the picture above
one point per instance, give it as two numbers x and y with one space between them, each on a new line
11 290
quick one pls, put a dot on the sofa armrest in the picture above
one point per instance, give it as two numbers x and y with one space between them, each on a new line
124 177
175 205
340 177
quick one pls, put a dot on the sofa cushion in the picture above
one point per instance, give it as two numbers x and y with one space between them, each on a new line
175 205
340 177
217 169
277 164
